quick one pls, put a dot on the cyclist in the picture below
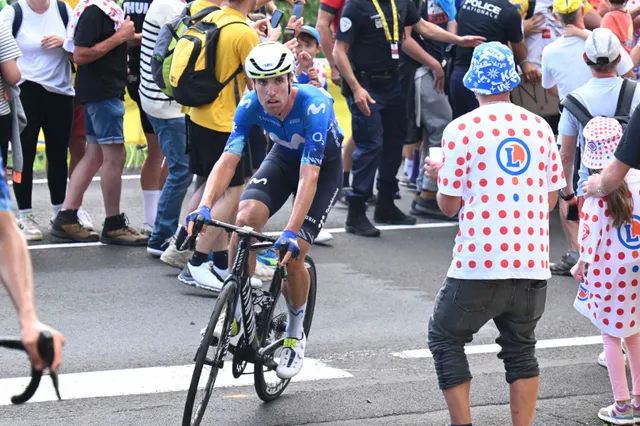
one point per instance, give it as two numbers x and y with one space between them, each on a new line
16 274
305 160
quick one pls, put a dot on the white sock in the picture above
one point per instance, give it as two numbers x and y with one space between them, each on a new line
26 212
151 199
55 210
408 166
295 327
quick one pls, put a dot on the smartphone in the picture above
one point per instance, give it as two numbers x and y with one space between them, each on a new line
276 18
289 33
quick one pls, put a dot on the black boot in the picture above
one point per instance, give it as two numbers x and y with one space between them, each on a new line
387 212
357 221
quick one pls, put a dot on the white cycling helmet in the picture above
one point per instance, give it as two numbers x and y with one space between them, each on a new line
269 59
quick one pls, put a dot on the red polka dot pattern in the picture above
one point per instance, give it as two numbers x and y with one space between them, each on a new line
504 219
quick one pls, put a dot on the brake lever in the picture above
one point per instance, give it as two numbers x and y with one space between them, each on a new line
184 240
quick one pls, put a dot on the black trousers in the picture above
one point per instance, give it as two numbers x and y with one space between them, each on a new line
5 136
53 113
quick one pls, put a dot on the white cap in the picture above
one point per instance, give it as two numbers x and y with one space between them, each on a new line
602 45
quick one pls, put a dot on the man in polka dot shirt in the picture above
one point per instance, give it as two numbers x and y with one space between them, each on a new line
500 174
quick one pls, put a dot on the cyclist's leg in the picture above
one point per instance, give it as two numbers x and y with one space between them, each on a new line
264 195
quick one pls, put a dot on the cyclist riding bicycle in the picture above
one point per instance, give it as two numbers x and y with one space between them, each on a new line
16 274
305 160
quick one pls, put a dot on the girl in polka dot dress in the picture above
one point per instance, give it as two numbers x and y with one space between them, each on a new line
609 244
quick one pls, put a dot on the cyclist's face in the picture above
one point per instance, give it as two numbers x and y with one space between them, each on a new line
273 93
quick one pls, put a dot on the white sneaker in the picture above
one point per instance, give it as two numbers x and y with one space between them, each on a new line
292 357
173 257
29 228
85 219
323 237
263 272
201 277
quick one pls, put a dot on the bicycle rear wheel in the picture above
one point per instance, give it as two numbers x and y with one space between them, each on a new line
267 384
217 347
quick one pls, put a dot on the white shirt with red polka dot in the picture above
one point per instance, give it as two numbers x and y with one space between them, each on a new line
502 160
608 296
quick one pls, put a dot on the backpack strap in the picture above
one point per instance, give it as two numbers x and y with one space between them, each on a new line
17 18
62 9
578 110
204 12
531 9
625 98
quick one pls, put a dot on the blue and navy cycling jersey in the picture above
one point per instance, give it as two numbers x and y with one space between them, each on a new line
309 133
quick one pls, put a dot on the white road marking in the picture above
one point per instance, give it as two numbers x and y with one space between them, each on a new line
151 380
271 234
494 348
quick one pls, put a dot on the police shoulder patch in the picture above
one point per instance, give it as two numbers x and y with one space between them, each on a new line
345 24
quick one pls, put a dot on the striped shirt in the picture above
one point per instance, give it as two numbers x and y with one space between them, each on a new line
154 102
8 51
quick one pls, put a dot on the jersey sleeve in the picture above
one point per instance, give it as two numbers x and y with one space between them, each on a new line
452 177
317 115
412 17
548 81
628 150
331 6
590 233
349 23
243 121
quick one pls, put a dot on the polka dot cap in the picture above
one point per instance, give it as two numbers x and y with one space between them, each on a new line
601 137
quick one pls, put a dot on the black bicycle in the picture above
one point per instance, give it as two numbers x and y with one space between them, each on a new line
264 318
45 349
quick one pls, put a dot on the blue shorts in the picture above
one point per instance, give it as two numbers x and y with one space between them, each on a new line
104 121
5 197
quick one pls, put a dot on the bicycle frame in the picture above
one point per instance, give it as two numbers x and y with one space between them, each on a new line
239 270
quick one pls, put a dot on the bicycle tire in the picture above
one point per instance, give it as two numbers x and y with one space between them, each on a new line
226 297
260 383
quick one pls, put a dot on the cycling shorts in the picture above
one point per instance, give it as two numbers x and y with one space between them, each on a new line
278 177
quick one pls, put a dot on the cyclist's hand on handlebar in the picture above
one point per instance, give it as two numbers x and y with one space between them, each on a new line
203 211
289 239
30 335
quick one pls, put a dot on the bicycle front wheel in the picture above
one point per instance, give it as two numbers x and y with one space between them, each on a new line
211 353
267 384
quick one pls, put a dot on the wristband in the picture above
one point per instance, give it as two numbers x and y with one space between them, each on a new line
566 197
523 62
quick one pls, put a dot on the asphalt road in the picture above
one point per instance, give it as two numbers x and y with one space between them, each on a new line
122 309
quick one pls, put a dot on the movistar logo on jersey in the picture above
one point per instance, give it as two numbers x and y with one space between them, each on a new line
246 102
313 109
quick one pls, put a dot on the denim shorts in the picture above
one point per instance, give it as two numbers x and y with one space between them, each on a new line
462 307
104 121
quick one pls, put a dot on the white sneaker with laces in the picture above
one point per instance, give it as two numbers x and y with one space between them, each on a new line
323 237
85 219
205 278
29 228
292 357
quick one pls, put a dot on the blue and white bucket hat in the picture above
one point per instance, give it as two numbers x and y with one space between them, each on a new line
492 70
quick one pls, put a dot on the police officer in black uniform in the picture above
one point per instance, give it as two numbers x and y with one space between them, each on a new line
367 53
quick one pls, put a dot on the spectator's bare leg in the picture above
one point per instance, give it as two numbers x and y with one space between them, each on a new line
111 177
86 169
522 396
457 399
77 147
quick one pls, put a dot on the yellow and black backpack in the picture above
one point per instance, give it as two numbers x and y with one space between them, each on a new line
192 77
